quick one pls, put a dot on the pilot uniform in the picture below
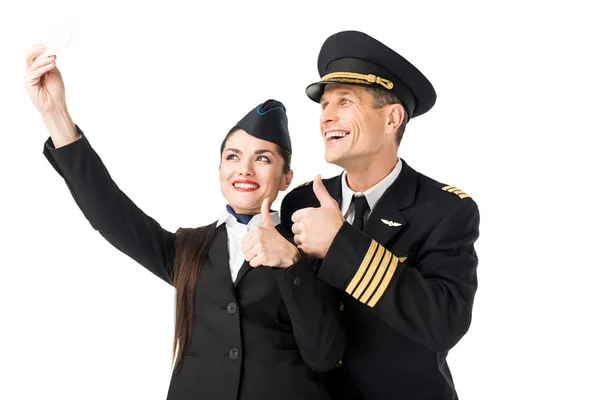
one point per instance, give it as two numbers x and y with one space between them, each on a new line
404 261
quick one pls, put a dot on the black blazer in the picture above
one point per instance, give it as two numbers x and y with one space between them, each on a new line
408 283
269 335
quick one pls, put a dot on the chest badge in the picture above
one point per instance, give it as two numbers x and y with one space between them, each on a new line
390 223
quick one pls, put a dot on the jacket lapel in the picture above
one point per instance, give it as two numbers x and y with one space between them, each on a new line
386 220
334 187
243 271
219 257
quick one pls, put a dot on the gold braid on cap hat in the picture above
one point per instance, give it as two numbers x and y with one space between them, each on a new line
352 77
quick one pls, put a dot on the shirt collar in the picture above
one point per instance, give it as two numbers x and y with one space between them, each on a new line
372 194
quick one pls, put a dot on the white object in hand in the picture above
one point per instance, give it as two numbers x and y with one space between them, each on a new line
58 38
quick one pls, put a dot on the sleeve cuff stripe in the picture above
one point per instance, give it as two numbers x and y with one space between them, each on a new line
370 271
385 282
363 267
373 285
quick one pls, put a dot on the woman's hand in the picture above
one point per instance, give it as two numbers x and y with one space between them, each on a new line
43 81
264 245
46 89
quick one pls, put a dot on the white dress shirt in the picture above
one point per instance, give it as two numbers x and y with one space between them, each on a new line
373 194
235 233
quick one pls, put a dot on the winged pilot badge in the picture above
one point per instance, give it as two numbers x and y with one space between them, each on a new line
390 223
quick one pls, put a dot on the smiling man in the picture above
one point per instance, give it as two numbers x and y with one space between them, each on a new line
398 245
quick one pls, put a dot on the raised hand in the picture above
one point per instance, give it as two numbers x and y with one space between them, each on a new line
264 245
43 81
315 227
46 89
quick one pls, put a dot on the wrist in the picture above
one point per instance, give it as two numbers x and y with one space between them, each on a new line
297 255
60 126
294 257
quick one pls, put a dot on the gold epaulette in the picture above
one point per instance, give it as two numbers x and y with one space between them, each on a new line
302 185
456 191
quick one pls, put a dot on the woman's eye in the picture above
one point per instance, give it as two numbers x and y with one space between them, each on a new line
344 101
263 158
231 157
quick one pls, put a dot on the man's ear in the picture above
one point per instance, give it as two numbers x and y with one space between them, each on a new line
394 117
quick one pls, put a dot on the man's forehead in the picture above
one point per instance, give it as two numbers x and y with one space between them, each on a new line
336 89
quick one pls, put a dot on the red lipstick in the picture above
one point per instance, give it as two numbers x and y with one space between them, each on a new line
244 185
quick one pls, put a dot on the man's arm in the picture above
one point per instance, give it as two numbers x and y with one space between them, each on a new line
429 302
315 315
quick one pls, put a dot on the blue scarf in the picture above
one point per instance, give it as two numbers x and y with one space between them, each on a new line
241 218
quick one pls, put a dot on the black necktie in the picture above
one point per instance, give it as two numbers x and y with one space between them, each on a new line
360 207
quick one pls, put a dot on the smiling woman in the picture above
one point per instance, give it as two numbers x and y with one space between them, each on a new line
251 319
253 169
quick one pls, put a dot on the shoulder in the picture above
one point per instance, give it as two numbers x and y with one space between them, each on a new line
440 199
184 235
437 201
446 192
301 191
433 188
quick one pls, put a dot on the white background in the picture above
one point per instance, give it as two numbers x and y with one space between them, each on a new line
156 85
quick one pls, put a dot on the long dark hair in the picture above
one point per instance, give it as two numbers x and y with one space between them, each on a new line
191 250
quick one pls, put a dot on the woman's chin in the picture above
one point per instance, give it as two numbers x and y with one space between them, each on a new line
245 207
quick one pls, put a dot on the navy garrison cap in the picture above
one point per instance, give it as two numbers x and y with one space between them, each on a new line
354 58
269 122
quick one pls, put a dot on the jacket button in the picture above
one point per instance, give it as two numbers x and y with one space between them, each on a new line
231 308
296 281
234 354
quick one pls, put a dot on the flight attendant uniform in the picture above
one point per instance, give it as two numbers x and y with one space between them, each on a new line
259 333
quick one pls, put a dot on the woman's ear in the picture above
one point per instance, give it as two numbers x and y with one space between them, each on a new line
286 181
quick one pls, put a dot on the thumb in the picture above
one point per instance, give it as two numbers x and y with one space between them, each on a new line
322 194
266 214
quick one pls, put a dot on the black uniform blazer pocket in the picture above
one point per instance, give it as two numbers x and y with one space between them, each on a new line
193 353
283 341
